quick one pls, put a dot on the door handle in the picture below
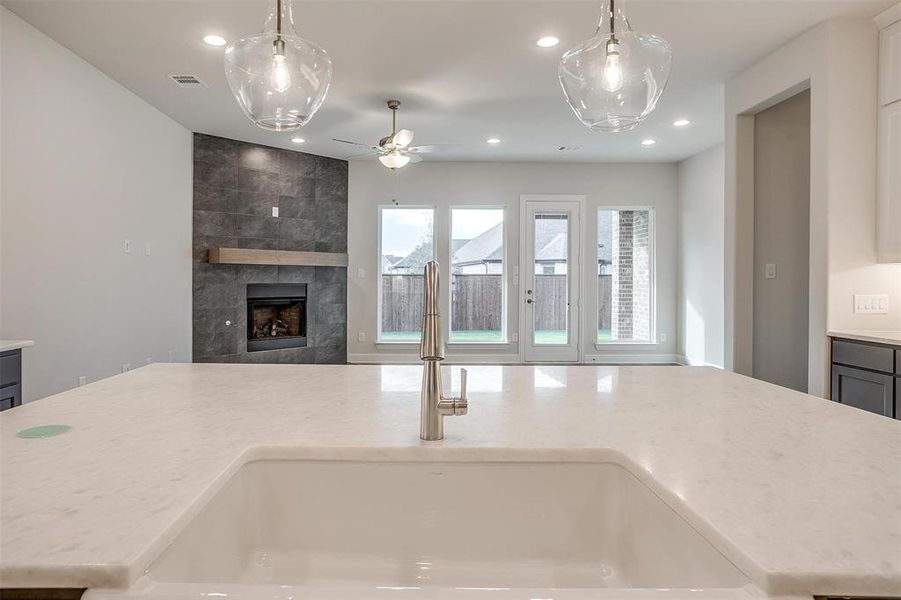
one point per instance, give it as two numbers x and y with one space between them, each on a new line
529 301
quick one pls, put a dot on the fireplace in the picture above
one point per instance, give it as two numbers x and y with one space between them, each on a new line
276 316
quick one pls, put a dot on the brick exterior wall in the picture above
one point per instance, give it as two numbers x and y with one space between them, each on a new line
631 296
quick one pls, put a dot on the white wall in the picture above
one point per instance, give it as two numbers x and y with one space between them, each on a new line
700 305
838 62
85 165
446 184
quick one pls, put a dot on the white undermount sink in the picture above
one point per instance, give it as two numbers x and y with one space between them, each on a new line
339 529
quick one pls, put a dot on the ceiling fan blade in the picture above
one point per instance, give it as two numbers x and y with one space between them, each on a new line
403 138
431 148
352 143
414 158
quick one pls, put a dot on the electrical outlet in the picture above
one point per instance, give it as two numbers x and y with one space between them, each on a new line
361 273
515 337
146 248
127 246
82 380
662 338
275 211
770 271
126 367
871 304
361 336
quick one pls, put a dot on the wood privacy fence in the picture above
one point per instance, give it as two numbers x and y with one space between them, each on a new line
477 302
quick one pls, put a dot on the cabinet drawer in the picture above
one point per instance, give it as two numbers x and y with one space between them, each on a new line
865 356
873 392
10 367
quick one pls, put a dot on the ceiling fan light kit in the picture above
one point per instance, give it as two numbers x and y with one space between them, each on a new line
613 81
278 78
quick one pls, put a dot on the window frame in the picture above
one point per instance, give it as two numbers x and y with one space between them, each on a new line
378 267
652 277
504 276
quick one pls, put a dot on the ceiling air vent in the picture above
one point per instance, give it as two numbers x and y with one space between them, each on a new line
575 148
187 81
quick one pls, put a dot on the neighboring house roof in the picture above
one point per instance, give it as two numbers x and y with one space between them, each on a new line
554 250
416 259
487 246
388 261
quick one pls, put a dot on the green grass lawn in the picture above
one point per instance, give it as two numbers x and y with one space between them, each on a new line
541 337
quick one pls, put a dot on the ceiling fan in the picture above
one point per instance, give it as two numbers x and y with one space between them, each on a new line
394 150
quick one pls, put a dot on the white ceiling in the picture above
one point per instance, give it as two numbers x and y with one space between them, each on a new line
464 70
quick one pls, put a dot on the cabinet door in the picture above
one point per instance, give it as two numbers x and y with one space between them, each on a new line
873 392
890 64
888 194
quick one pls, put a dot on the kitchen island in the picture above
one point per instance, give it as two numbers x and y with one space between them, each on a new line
801 494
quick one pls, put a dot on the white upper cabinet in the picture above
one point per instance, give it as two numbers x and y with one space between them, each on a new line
888 210
890 64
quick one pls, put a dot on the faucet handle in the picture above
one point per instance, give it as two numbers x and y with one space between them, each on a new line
461 404
458 405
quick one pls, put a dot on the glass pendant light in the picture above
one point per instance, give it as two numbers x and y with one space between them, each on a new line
613 80
278 78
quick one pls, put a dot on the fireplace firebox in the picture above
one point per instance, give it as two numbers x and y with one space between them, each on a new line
276 316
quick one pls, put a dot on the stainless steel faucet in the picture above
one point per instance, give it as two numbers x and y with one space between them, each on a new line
431 350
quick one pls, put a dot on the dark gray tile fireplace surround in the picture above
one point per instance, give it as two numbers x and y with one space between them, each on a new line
236 185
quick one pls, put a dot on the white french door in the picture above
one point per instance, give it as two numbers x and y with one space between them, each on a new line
550 277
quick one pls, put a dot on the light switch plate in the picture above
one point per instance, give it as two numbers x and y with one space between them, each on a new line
274 211
870 304
127 246
147 249
361 336
771 270
361 273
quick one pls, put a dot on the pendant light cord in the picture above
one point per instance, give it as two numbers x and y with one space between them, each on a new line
610 14
278 18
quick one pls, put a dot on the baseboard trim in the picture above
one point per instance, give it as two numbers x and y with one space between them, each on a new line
688 362
413 359
631 358
621 358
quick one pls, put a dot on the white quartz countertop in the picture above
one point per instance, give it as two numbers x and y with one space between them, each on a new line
892 338
14 344
802 494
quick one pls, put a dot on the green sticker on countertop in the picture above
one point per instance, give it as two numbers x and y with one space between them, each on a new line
43 431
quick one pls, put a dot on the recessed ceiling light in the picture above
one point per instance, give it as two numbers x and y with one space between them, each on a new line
648 142
492 141
215 40
548 41
298 140
681 123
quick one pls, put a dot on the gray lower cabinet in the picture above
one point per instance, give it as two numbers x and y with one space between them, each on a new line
867 375
10 379
863 389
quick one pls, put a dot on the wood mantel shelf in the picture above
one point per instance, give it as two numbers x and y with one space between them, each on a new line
250 256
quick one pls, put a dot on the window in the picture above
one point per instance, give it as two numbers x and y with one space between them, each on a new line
405 245
477 275
625 275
